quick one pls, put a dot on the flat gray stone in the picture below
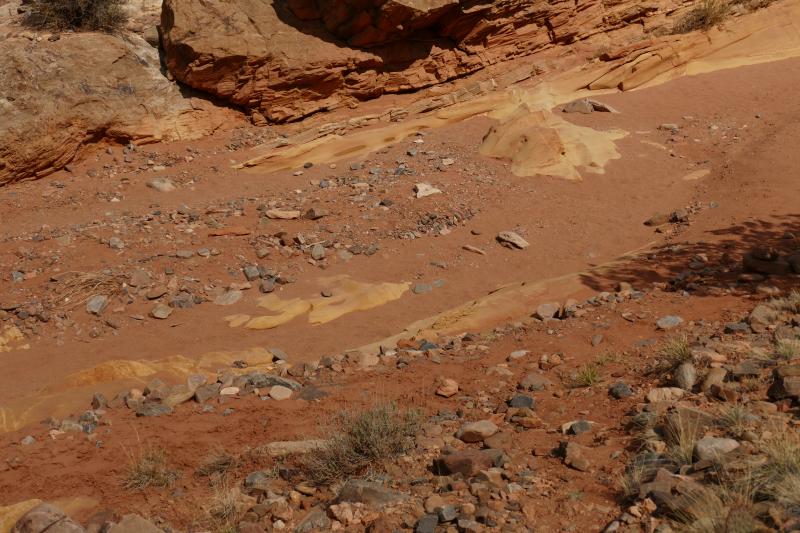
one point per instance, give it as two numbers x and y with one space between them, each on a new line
360 491
97 305
184 254
521 400
534 381
422 288
620 390
710 449
579 106
162 184
153 409
277 353
229 298
668 322
262 381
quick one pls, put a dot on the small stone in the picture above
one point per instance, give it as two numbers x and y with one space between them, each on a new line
277 353
447 388
476 431
162 184
279 393
184 254
423 190
466 462
27 440
581 426
685 376
513 238
548 310
668 322
579 106
266 286
620 390
422 288
659 219
318 252
115 243
499 441
160 311
97 305
139 278
711 449
229 298
521 401
153 409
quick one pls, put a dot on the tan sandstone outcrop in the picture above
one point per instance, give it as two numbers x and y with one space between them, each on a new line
287 60
59 99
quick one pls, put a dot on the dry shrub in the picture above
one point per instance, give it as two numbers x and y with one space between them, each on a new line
703 16
217 461
778 477
359 441
88 15
224 504
680 436
79 290
150 469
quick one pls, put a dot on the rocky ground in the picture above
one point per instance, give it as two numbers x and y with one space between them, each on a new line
143 252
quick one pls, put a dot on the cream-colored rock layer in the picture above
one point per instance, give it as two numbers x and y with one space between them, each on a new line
61 99
348 297
538 142
68 395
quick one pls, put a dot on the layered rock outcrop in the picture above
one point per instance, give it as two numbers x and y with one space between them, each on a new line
61 99
287 60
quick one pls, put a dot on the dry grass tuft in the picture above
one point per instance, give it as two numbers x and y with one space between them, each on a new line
586 376
224 504
703 16
217 461
675 352
87 15
79 290
787 303
359 441
150 469
778 477
680 437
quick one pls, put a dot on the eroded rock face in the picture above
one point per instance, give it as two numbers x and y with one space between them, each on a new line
287 60
59 99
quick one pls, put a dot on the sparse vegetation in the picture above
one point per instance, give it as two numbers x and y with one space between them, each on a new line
680 437
224 505
610 356
632 478
88 15
359 441
788 303
675 352
733 417
217 461
602 49
150 469
586 376
574 495
705 15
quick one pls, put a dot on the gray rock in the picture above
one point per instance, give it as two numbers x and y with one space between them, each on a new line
548 310
736 327
315 519
203 394
360 491
685 376
620 390
318 252
446 513
115 243
195 381
251 273
153 409
229 298
277 353
520 401
747 367
162 184
97 305
513 238
476 431
579 106
581 426
534 381
427 524
422 288
261 381
160 311
257 478
597 339
668 322
266 286
152 35
38 519
27 440
710 449
344 255
182 301
184 254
